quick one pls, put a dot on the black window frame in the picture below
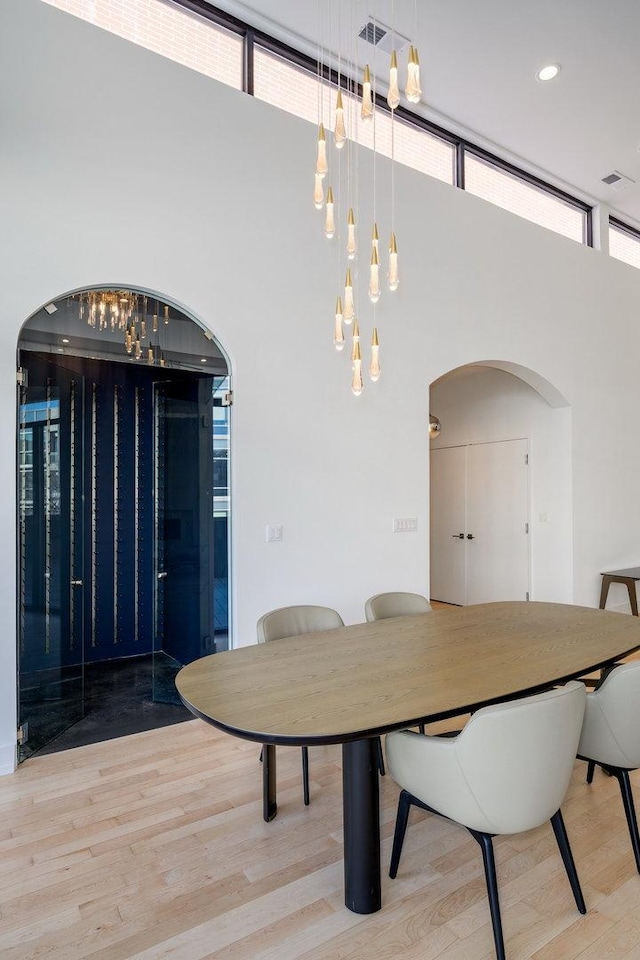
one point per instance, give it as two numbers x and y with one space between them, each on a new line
624 228
254 37
539 184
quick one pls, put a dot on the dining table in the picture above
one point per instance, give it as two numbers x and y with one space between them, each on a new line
350 685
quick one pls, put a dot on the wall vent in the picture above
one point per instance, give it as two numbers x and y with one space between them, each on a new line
372 33
617 180
383 37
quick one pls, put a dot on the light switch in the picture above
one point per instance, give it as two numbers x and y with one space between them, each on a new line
405 524
273 533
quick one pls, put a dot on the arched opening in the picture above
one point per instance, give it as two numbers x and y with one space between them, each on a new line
123 510
501 501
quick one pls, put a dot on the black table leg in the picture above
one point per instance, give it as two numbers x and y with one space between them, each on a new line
361 807
269 805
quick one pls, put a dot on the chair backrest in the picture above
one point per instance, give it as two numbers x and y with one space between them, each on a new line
611 728
508 770
292 621
385 605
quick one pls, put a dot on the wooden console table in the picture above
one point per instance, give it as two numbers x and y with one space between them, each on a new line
628 577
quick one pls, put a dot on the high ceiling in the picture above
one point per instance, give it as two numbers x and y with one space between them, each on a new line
478 63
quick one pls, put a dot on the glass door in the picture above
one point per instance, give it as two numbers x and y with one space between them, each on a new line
50 535
221 510
184 528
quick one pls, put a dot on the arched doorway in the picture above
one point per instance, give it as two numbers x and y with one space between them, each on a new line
501 475
123 436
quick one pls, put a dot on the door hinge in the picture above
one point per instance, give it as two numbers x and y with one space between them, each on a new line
23 733
227 398
22 377
527 596
526 458
526 528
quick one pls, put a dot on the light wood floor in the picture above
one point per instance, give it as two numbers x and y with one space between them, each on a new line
153 846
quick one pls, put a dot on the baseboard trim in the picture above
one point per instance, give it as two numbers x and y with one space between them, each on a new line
8 758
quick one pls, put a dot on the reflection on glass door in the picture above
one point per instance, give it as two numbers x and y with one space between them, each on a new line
184 627
50 525
221 513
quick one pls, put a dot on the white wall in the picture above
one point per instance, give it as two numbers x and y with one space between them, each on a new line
482 405
120 167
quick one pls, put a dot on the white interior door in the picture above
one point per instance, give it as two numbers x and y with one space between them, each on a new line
482 492
497 521
448 525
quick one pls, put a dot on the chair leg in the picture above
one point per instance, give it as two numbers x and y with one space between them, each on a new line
380 757
305 775
485 841
591 766
269 804
567 858
629 809
402 818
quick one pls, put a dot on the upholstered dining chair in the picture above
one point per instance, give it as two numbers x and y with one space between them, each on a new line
399 604
506 772
290 622
611 735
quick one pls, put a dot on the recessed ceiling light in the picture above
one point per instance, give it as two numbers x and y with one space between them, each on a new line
548 72
203 359
65 340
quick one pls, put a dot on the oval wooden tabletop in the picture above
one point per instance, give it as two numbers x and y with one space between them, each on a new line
355 681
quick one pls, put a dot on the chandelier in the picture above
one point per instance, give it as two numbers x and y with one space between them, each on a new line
336 189
135 315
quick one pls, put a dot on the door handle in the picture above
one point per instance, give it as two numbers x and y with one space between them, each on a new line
162 575
458 536
76 583
470 536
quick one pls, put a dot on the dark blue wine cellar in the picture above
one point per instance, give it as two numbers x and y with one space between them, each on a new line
123 555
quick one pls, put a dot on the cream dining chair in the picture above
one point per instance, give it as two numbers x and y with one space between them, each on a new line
611 735
506 772
386 605
399 604
291 622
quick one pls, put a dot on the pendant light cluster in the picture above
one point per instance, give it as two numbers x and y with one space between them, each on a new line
345 124
137 317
